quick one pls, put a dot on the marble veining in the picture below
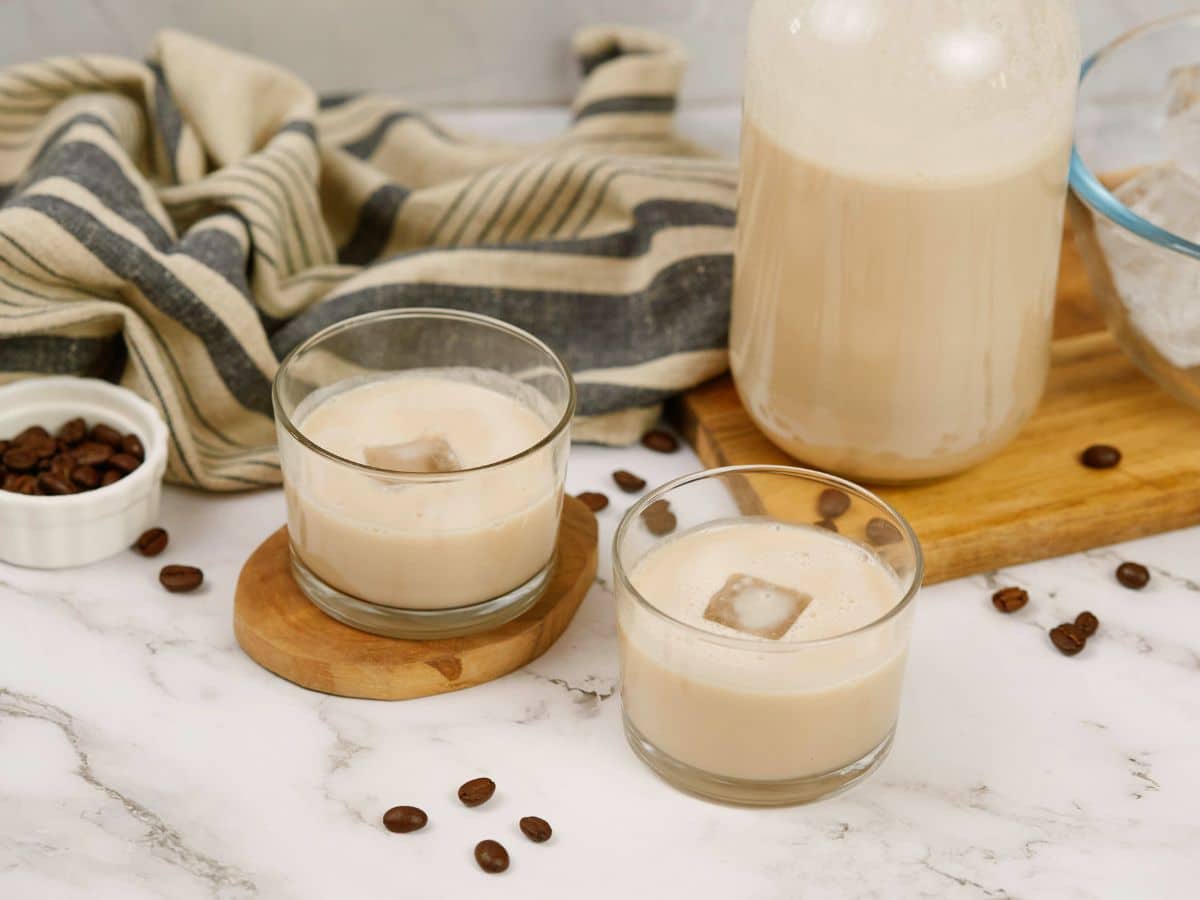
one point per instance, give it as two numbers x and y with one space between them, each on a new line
142 755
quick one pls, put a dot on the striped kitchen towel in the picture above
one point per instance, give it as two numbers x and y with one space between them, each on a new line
179 225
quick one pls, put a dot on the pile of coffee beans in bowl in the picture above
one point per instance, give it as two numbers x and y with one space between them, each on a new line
74 459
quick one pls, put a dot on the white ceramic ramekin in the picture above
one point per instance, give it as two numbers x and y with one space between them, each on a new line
76 529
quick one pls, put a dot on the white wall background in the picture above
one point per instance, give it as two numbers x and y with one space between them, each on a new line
436 52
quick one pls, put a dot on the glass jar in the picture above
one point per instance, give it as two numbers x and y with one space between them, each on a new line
904 167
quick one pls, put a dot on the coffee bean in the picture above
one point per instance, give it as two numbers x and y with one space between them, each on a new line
593 500
1068 638
1087 623
92 453
477 791
41 447
832 503
828 525
21 484
123 462
536 829
132 445
404 819
19 459
1100 456
881 532
86 477
72 432
112 476
4 445
659 519
660 441
491 856
177 579
32 433
1010 599
62 465
1133 575
628 482
152 542
106 434
54 485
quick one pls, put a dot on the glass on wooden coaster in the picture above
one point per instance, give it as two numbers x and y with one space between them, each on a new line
764 616
423 454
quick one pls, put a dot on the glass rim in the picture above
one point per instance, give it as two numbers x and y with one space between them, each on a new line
757 645
1088 187
423 313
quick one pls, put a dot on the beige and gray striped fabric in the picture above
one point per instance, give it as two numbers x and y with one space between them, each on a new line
179 225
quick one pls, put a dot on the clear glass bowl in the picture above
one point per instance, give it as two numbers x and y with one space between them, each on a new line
1136 214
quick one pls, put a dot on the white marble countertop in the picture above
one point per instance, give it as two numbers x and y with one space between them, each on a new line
142 755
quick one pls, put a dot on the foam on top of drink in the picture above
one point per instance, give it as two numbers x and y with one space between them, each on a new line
761 573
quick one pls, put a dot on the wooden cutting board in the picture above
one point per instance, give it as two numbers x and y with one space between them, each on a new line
283 632
1034 500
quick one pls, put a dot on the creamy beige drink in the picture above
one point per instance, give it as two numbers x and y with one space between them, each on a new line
439 540
753 690
899 221
907 335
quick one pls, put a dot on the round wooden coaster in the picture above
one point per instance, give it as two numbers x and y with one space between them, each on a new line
281 630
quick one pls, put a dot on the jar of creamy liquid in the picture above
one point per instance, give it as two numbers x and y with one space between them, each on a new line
904 167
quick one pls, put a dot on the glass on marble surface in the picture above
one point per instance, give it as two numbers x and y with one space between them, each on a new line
423 456
763 647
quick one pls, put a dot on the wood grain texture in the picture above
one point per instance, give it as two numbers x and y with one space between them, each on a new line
1034 500
282 631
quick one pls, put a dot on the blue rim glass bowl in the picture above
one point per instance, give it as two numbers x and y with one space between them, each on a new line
1120 137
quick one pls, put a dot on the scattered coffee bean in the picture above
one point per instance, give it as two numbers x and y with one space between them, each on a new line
152 542
124 463
1068 638
111 476
54 485
404 819
477 791
832 503
828 525
491 856
536 829
628 482
178 579
1010 599
106 434
92 453
86 477
659 519
1133 575
1100 456
132 445
881 532
593 500
660 441
1087 623
73 432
